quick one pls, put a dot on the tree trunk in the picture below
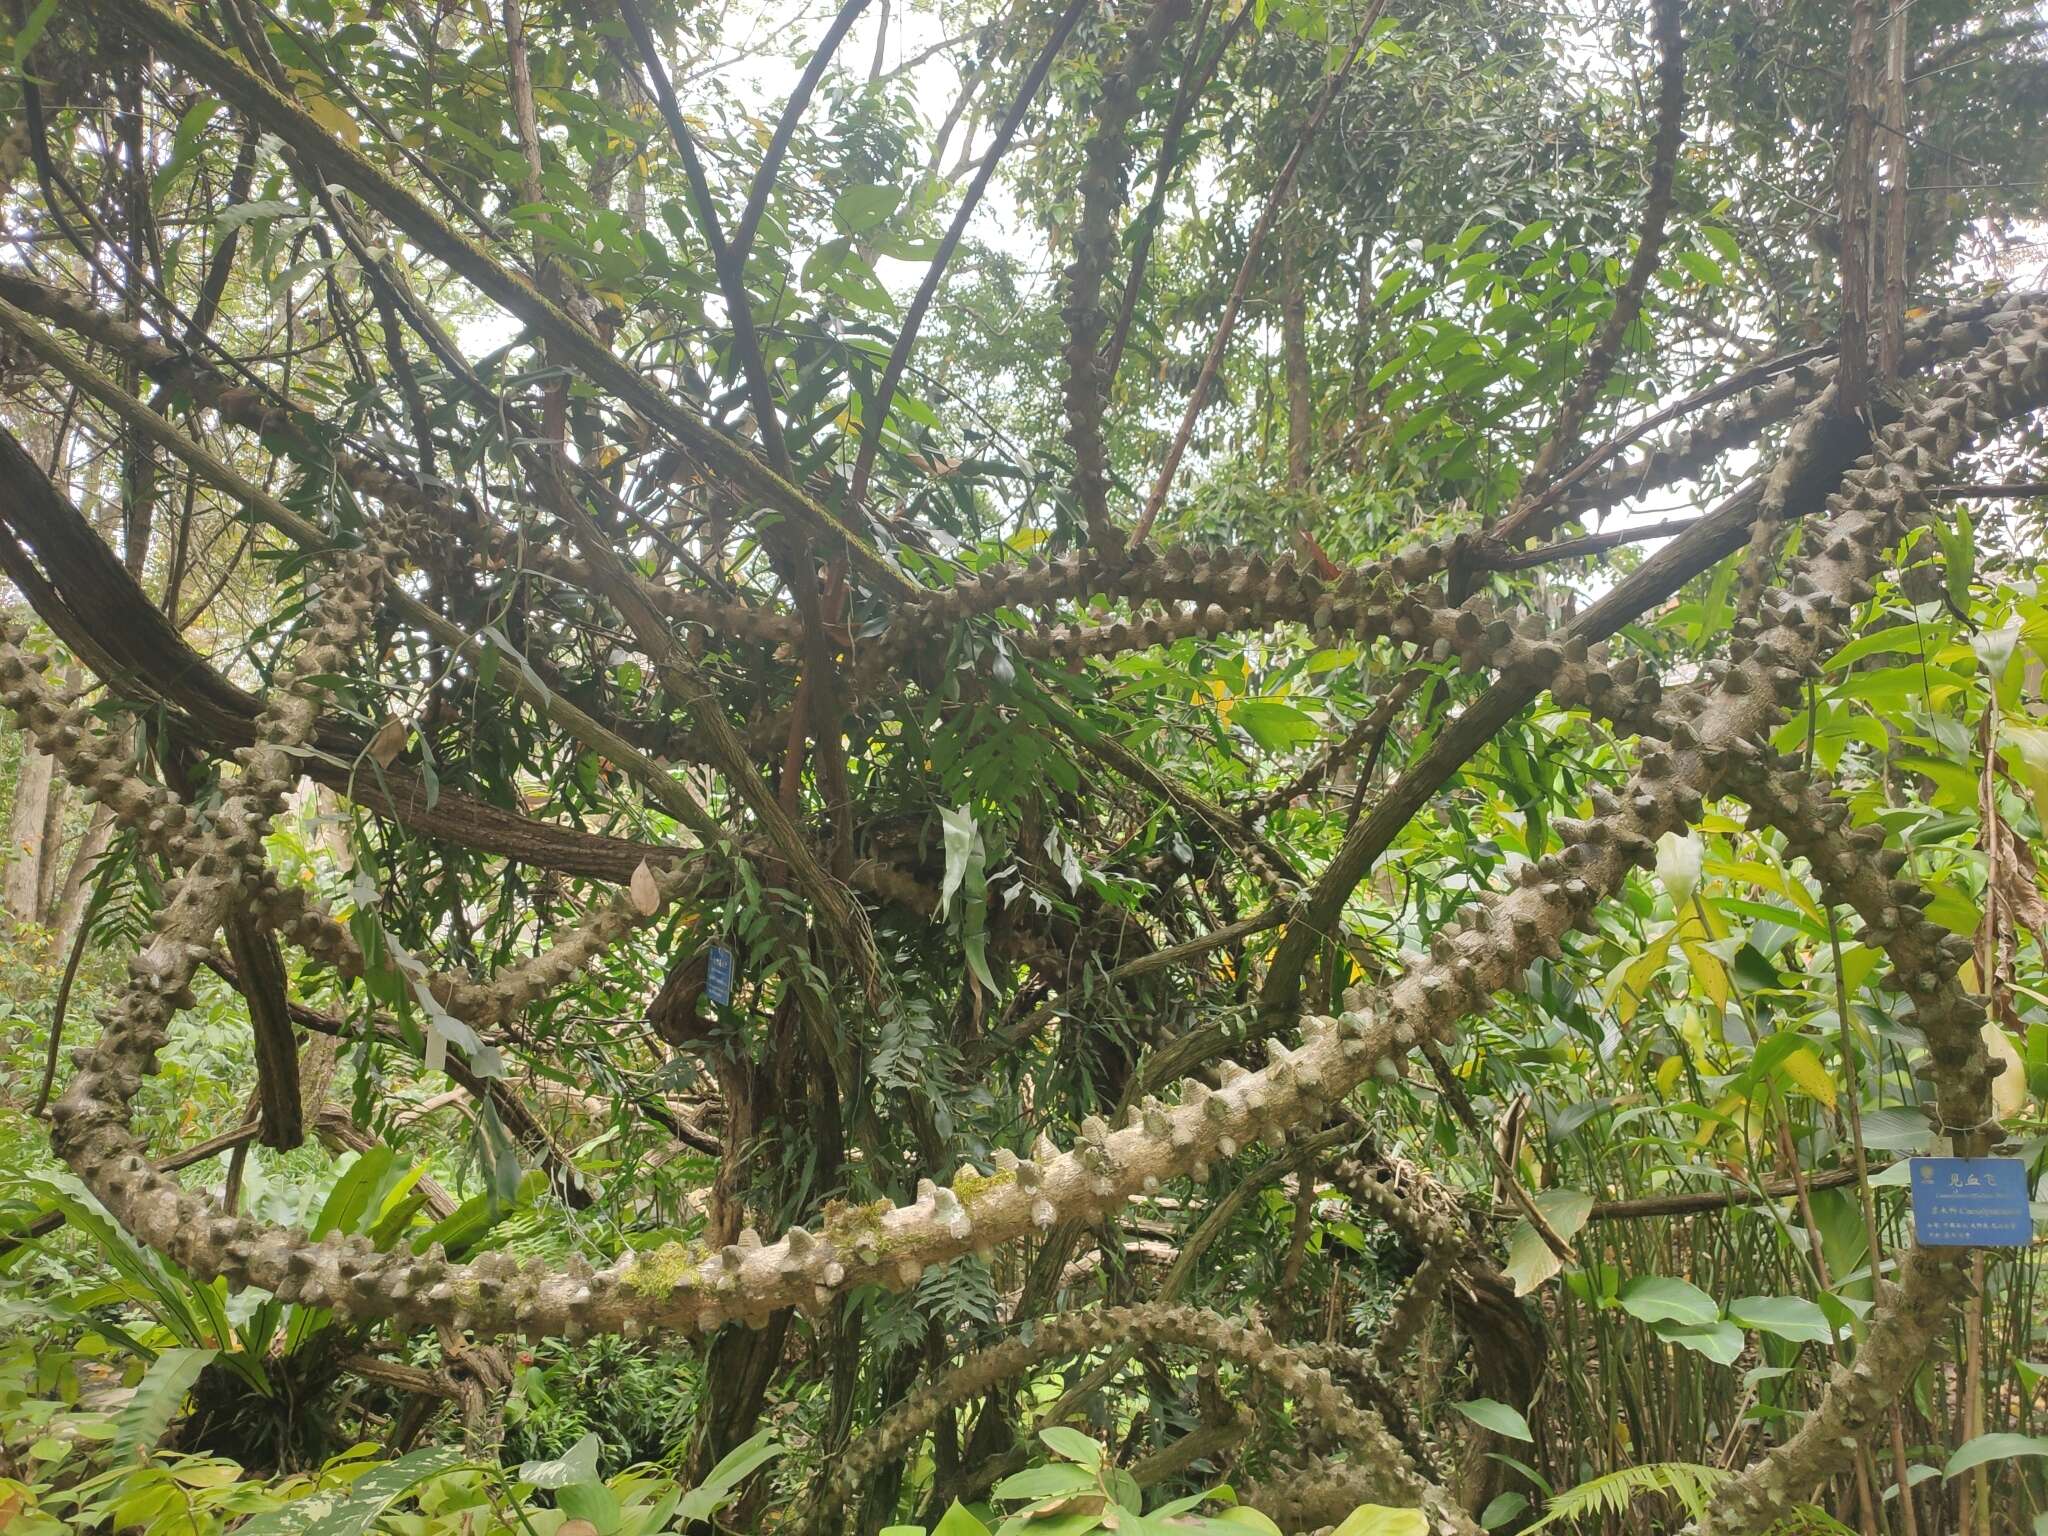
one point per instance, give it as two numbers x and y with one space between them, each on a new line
1897 159
1294 343
27 837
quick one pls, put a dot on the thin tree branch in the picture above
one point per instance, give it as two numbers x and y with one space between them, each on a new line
877 412
1665 18
1155 502
720 453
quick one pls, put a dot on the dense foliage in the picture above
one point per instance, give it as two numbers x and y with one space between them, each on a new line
993 769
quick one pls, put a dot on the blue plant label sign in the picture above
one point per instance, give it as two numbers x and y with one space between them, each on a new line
718 976
1971 1202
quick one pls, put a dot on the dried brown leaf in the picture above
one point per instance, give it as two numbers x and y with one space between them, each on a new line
646 895
388 742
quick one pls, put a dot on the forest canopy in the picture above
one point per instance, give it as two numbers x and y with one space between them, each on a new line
990 769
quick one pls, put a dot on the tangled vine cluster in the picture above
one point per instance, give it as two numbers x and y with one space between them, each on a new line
1859 497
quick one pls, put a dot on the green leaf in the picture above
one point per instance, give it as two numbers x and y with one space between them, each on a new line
1052 1481
352 1509
1250 1519
1502 1509
594 1502
1893 1129
958 1520
1723 243
349 1199
1891 638
1383 1520
1039 1523
1530 1261
1072 1444
31 31
1788 1317
158 1397
1955 784
1703 267
703 1501
1996 1447
1658 1299
578 1464
1273 725
862 208
1501 1418
1719 1342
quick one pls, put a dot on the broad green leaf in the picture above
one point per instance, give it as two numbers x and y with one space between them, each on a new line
1530 1261
1051 1481
352 1509
701 1502
1273 725
1629 982
1894 1129
1955 784
1072 1444
578 1464
592 1501
1250 1519
1383 1520
1660 1299
1994 1447
1719 1342
1788 1317
1503 1508
1722 242
958 1520
2026 750
859 209
1501 1418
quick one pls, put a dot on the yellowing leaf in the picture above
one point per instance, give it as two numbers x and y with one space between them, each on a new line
1700 921
1667 1076
1768 877
1733 1112
1628 983
322 109
1804 1068
1707 968
1383 1520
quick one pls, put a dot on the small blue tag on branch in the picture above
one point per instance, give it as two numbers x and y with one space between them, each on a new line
718 976
1971 1202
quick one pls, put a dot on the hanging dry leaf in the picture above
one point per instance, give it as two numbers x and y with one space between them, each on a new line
2009 1088
388 742
645 893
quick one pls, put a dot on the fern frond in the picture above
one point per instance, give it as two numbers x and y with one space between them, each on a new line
1810 1520
1689 1482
